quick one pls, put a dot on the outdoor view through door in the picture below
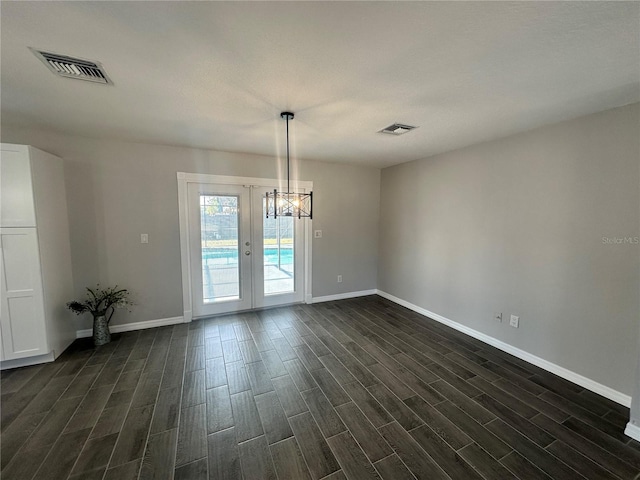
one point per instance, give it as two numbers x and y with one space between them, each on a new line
220 250
220 247
279 259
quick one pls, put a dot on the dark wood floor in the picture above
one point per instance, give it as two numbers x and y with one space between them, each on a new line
352 389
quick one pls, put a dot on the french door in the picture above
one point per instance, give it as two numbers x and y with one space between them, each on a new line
238 258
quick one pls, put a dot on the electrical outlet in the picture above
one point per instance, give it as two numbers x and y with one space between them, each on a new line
498 316
515 321
339 278
144 238
317 234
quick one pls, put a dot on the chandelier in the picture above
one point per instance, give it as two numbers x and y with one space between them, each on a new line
288 204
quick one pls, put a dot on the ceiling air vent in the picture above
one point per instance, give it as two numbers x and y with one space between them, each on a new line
397 129
70 67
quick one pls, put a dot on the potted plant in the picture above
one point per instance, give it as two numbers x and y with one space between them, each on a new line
101 302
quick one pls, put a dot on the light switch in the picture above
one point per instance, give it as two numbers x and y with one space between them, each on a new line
317 234
144 238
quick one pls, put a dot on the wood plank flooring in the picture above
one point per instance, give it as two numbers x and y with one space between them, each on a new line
353 389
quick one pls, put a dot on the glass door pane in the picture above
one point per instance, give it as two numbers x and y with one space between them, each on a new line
278 265
220 247
278 245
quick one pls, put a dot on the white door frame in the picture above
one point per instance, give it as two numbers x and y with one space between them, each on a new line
183 216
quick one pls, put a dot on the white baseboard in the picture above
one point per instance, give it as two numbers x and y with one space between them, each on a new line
576 378
128 327
632 431
343 296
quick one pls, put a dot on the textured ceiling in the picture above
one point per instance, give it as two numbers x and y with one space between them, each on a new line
217 74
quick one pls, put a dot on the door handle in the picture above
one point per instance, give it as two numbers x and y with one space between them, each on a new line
247 252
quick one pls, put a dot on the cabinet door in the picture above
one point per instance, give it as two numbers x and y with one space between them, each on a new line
16 203
22 316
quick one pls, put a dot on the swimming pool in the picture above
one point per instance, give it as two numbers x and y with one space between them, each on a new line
230 254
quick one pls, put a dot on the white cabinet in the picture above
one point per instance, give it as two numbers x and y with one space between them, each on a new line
35 257
17 208
22 302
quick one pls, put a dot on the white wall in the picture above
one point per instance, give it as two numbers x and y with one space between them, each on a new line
516 226
118 190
